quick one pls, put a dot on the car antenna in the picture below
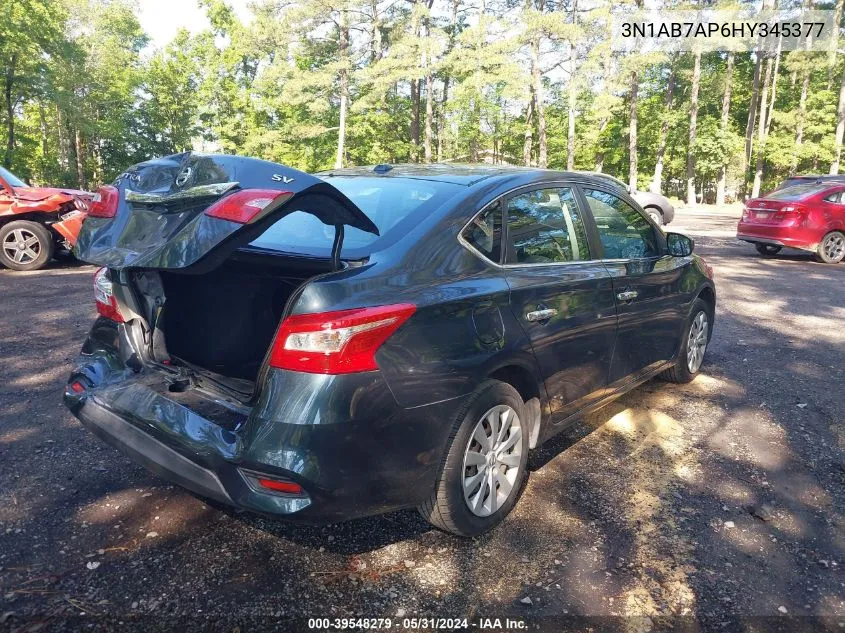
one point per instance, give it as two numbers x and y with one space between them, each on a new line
382 168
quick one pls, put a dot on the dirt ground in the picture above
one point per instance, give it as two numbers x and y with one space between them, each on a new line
716 505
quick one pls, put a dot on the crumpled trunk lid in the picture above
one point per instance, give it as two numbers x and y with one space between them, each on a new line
161 221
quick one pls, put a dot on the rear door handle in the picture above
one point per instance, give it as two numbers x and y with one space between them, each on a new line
627 295
541 315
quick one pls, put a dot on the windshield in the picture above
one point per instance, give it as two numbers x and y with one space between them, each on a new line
797 192
391 203
10 178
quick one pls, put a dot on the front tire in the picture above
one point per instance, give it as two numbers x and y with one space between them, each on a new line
485 468
832 248
767 250
25 245
695 340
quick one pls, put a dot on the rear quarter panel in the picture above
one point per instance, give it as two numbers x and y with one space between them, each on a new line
462 330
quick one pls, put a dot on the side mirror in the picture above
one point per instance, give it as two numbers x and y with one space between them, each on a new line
679 245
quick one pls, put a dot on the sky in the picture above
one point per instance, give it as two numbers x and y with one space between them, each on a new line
162 18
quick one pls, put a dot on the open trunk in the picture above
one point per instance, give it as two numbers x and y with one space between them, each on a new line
224 321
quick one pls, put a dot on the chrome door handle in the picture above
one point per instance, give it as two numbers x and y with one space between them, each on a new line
541 315
627 295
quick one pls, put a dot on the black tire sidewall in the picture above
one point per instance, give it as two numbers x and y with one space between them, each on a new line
491 394
767 250
45 239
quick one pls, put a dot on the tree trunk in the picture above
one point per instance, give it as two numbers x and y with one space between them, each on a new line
761 129
570 128
429 100
721 185
774 88
82 182
62 141
45 135
693 123
10 110
657 179
600 156
429 114
834 43
415 121
840 127
802 102
441 120
537 89
749 127
632 134
343 46
528 142
375 41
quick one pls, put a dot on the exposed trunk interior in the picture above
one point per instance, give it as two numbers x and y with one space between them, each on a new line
224 321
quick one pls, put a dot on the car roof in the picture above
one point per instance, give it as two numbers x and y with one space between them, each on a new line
459 174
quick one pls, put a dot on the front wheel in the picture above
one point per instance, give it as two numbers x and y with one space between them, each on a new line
485 467
768 250
25 245
832 248
694 342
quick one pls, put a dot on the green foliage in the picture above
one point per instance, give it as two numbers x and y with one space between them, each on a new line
88 95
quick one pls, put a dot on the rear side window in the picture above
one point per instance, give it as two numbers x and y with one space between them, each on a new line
484 232
623 231
544 227
835 197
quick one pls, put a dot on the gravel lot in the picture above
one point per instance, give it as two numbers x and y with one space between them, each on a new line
715 501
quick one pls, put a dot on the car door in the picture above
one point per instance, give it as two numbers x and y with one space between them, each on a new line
647 284
561 296
833 210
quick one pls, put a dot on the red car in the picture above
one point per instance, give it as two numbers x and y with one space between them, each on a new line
810 217
36 220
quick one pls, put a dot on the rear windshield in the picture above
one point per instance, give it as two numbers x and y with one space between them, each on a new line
391 203
797 192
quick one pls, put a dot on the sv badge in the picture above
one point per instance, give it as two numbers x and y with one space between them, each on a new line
281 178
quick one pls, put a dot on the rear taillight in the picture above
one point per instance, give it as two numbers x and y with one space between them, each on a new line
341 342
104 203
794 209
244 206
104 297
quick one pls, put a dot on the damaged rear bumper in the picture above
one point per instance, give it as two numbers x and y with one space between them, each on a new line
353 450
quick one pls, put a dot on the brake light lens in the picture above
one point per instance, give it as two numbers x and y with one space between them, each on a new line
104 203
104 297
340 342
286 487
244 206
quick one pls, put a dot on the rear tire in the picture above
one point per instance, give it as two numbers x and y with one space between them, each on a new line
655 215
694 344
25 245
832 248
767 250
495 409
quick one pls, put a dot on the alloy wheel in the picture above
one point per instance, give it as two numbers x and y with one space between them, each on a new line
697 342
22 246
492 461
834 247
